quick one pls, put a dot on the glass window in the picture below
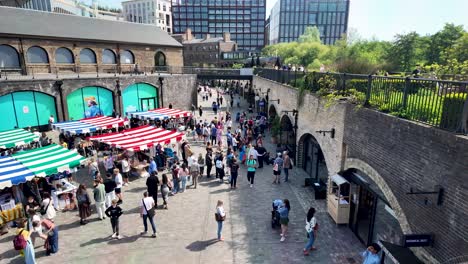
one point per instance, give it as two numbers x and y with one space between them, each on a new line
126 57
37 55
64 55
312 19
87 56
8 57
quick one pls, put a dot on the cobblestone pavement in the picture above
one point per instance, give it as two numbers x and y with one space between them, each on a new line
187 230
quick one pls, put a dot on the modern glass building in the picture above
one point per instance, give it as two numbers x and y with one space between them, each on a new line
244 19
289 18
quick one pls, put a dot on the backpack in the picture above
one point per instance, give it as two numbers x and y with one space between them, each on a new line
19 242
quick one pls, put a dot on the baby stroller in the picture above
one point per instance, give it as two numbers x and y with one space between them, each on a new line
275 217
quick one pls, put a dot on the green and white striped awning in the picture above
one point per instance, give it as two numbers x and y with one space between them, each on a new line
16 137
49 160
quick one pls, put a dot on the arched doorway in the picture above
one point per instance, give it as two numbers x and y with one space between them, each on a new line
159 59
311 158
27 109
288 137
272 112
90 101
372 217
140 97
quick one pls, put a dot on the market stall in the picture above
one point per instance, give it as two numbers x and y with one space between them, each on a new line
12 172
338 199
105 122
148 115
16 137
173 113
75 127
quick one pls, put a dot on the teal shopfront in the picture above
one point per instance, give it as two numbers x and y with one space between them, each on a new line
26 109
140 97
80 101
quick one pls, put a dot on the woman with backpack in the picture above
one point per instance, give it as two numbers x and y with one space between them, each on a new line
311 228
22 242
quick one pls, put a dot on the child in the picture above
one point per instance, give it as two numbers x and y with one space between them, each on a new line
114 212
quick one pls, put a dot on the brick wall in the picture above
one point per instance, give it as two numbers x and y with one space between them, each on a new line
396 154
180 90
143 54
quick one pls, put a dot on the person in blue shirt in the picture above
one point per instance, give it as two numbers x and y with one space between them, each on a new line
153 167
283 211
93 110
371 254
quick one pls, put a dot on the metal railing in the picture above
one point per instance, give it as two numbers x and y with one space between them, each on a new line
439 103
44 71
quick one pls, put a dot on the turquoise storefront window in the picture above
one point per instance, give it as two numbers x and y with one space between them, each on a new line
140 97
78 102
26 109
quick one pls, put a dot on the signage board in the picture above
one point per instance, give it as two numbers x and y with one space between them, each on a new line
418 240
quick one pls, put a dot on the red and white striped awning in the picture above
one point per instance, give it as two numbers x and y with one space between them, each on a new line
157 135
173 113
105 122
140 138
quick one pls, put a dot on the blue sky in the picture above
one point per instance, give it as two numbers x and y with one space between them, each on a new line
382 19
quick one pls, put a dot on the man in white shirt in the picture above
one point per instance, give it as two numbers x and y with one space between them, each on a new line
109 163
147 212
125 171
119 183
253 152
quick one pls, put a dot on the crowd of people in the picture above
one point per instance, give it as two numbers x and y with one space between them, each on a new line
228 146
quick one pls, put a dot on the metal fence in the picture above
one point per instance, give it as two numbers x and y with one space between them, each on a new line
439 103
88 71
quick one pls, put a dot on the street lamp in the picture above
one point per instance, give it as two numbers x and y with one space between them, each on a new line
161 83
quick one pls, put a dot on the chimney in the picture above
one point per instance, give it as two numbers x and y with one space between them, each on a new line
226 36
188 34
207 36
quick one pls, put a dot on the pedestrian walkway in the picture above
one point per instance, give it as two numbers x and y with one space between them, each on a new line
187 230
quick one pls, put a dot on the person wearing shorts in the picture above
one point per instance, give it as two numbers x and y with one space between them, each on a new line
125 171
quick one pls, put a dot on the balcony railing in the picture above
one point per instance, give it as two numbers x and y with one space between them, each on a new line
439 103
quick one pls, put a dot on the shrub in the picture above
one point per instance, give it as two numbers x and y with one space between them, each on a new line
452 111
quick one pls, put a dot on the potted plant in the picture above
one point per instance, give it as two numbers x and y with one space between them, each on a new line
275 129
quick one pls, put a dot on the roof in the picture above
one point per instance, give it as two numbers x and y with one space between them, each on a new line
19 21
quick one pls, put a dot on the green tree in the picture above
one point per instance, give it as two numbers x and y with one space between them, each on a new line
311 34
441 42
459 50
405 51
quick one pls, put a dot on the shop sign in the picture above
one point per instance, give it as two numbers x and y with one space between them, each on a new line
417 240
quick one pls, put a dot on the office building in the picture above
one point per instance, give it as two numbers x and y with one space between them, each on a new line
289 18
69 7
156 12
243 19
208 51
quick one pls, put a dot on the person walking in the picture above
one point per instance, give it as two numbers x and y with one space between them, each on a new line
234 172
213 134
93 167
175 179
183 174
147 213
119 183
99 195
166 187
109 187
220 216
83 204
125 170
28 250
152 184
311 228
114 212
251 168
287 165
200 111
284 218
47 207
219 168
261 152
277 167
49 234
209 163
371 254
195 171
109 163
201 164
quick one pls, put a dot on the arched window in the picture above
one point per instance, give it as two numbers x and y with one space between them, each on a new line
64 55
108 57
9 57
37 55
160 59
87 56
126 57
